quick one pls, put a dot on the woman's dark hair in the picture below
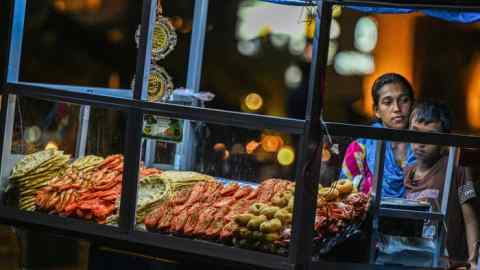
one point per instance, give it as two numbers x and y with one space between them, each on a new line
390 78
429 111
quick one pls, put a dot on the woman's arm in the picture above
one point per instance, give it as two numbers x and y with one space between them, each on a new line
471 230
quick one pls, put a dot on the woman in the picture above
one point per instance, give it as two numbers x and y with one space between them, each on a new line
393 101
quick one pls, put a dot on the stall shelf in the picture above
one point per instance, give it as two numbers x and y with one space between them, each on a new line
133 102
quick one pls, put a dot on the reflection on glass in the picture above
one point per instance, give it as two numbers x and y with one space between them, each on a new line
262 49
49 123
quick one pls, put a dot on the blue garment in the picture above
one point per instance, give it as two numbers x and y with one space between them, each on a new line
448 15
392 174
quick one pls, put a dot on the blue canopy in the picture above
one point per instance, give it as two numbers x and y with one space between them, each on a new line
452 16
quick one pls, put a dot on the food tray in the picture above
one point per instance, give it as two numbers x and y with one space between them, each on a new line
404 204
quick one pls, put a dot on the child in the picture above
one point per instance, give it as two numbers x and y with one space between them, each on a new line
424 181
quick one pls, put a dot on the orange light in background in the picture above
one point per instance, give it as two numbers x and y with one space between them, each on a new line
219 147
251 147
253 102
60 5
186 27
326 155
286 156
271 143
115 35
77 5
114 80
473 94
394 52
177 22
93 4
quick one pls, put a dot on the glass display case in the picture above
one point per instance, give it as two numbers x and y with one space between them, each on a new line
64 160
204 155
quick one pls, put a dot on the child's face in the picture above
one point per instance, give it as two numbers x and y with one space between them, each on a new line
426 152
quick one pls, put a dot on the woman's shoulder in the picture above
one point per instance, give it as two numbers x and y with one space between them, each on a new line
365 141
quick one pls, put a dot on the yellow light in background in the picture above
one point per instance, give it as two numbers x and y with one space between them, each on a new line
253 102
473 94
265 31
51 145
337 11
286 156
310 28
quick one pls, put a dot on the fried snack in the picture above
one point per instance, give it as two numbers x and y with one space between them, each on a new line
344 186
34 171
328 193
178 176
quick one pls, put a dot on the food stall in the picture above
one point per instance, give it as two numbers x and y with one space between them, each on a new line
187 209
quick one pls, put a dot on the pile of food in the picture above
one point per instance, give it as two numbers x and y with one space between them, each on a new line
246 216
33 172
64 189
156 187
182 203
205 210
89 189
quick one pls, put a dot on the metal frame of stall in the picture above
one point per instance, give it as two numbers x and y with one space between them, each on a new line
135 105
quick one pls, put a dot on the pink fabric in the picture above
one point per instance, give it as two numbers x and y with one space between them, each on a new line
354 163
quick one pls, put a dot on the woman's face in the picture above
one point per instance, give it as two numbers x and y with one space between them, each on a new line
394 106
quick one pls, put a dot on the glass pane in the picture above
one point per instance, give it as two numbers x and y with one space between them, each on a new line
54 123
414 200
43 172
255 63
229 185
88 43
341 221
438 58
180 14
171 47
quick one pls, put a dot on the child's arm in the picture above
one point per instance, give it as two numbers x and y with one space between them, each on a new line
471 230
